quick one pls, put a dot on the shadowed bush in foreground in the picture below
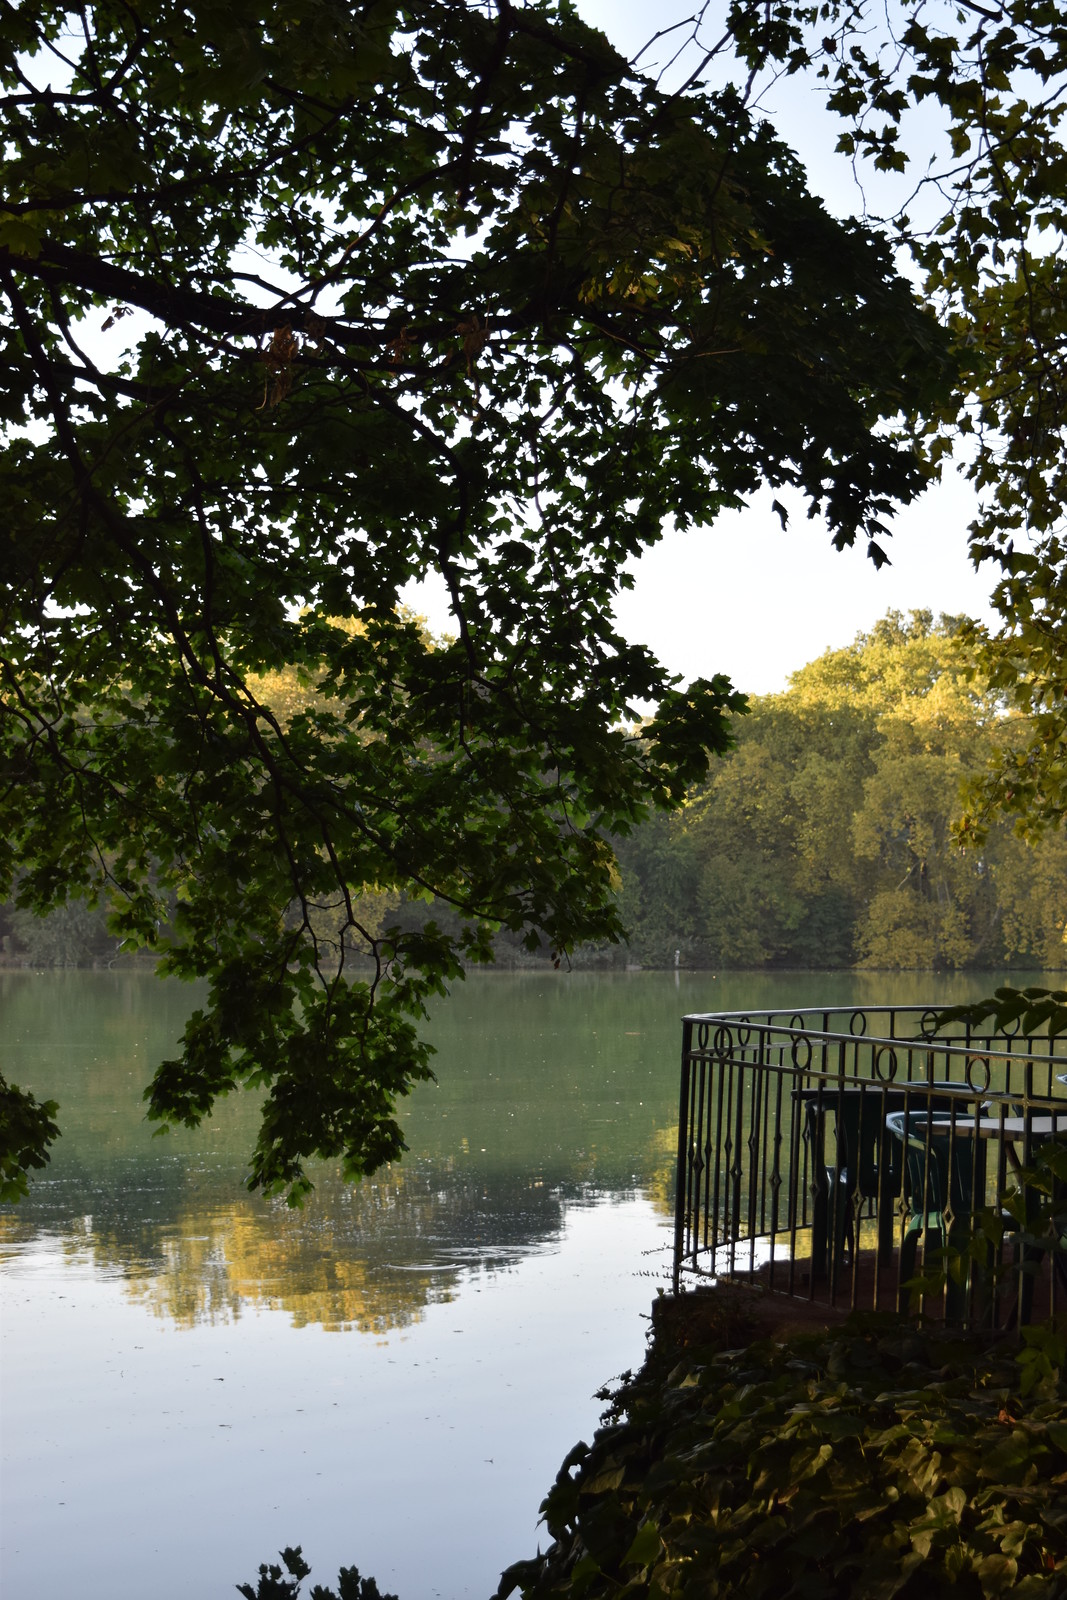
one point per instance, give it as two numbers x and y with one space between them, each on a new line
273 1585
872 1462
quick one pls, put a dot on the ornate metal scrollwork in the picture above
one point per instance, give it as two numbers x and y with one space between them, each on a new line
804 1134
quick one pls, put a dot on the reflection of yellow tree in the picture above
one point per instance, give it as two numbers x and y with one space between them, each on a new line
243 1257
663 1165
315 1265
13 1233
192 1282
328 1265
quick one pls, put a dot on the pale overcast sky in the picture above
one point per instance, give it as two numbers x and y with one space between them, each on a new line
745 597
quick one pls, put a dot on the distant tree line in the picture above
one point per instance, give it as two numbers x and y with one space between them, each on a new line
74 935
831 836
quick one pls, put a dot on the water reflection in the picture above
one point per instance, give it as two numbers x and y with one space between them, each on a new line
550 1092
538 1106
160 1319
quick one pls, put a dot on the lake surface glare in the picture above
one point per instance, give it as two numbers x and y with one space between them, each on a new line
193 1377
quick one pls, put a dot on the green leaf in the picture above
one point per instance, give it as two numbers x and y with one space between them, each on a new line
645 1548
19 236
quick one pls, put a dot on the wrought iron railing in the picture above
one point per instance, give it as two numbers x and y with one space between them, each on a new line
865 1158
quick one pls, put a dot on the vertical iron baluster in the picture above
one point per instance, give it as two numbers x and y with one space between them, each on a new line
700 1214
719 1226
735 1169
796 1176
776 1169
681 1181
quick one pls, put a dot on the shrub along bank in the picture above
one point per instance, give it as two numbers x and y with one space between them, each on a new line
870 1461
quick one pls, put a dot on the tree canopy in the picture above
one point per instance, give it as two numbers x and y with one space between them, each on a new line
984 217
303 303
827 837
984 220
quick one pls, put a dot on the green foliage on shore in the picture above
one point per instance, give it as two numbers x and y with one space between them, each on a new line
830 836
865 1463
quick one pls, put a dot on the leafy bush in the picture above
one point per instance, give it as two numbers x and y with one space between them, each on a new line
26 1131
871 1462
274 1585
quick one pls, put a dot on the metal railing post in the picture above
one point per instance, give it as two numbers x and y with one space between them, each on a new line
682 1188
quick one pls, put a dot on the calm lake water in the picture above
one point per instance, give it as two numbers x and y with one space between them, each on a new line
193 1377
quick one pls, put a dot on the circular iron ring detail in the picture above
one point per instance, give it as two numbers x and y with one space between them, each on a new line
795 1055
885 1050
972 1063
